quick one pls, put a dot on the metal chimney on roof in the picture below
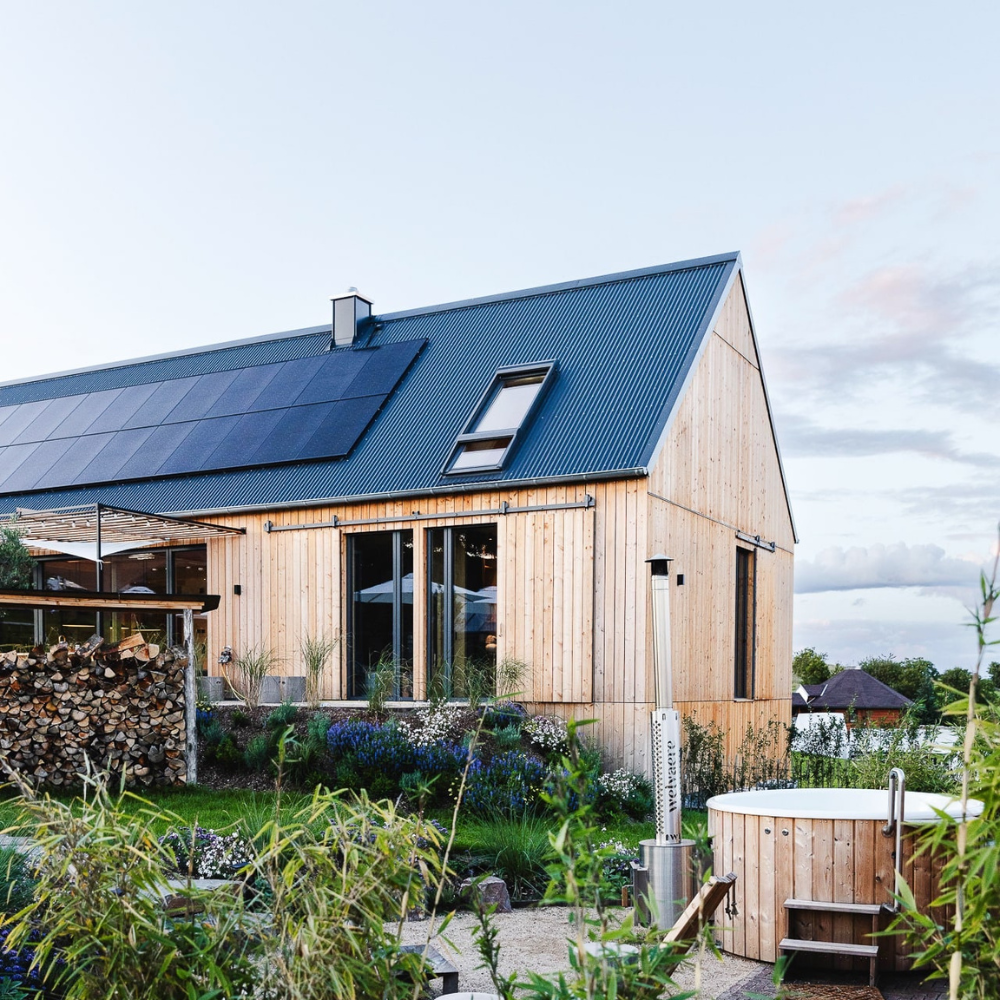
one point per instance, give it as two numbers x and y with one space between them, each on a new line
350 310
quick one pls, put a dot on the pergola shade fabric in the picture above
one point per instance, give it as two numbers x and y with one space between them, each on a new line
290 411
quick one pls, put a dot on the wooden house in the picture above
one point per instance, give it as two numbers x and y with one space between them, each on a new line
450 487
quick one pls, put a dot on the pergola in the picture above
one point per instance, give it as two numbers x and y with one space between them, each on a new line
114 528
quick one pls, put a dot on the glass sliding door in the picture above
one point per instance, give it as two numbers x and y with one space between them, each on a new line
380 610
461 609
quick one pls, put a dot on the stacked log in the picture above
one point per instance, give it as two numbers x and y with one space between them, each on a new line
120 708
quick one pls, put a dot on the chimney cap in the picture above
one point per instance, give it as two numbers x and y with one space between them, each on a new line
351 293
659 564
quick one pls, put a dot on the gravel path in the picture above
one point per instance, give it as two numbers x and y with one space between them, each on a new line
534 940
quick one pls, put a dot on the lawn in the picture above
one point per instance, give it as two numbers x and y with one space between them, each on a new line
223 810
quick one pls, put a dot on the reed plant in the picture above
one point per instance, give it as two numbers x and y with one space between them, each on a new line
381 683
966 948
316 651
245 675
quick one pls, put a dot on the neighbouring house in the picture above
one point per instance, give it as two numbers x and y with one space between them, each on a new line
445 488
859 696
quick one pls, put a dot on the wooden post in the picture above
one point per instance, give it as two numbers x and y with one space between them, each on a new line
190 701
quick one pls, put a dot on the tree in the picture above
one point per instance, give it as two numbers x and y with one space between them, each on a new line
958 678
15 560
810 667
913 678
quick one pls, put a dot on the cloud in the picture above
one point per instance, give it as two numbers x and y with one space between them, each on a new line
896 565
803 437
859 210
848 641
906 324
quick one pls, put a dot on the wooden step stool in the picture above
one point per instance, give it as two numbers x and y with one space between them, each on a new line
869 951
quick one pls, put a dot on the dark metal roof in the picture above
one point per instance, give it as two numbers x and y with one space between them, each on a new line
857 689
624 345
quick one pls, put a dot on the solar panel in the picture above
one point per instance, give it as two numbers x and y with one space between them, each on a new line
335 376
207 389
12 458
93 405
164 398
49 419
299 410
128 403
44 456
244 390
201 441
340 429
290 435
242 441
21 418
73 464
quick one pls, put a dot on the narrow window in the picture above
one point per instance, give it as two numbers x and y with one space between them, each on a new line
380 611
746 569
490 434
462 610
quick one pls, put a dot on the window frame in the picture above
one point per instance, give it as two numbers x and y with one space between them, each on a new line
745 627
510 435
398 610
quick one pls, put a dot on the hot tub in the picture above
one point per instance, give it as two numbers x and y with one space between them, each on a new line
822 845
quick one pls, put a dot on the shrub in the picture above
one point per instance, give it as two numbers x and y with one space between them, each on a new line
17 883
507 737
257 755
509 784
240 719
282 717
305 758
433 724
622 792
97 925
201 853
515 848
211 736
547 732
227 753
876 751
504 713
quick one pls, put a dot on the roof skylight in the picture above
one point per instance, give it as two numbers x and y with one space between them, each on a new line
502 412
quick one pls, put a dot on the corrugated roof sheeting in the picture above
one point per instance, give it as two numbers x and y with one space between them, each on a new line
623 348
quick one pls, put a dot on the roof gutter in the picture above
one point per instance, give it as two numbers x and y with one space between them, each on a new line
640 472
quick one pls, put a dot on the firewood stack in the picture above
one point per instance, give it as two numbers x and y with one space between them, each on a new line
121 706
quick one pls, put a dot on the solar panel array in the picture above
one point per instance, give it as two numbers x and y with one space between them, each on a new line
291 411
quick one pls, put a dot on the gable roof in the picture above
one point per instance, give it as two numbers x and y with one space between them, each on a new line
854 688
624 345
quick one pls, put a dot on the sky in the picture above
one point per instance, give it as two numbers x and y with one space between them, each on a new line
180 174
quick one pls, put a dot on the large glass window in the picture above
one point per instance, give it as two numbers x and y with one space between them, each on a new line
462 609
156 571
745 623
68 575
380 627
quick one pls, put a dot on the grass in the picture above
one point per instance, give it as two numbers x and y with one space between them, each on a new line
216 810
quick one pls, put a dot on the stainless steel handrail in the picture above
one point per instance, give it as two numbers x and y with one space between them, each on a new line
897 801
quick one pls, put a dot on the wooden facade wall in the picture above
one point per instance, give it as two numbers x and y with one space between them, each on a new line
573 584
